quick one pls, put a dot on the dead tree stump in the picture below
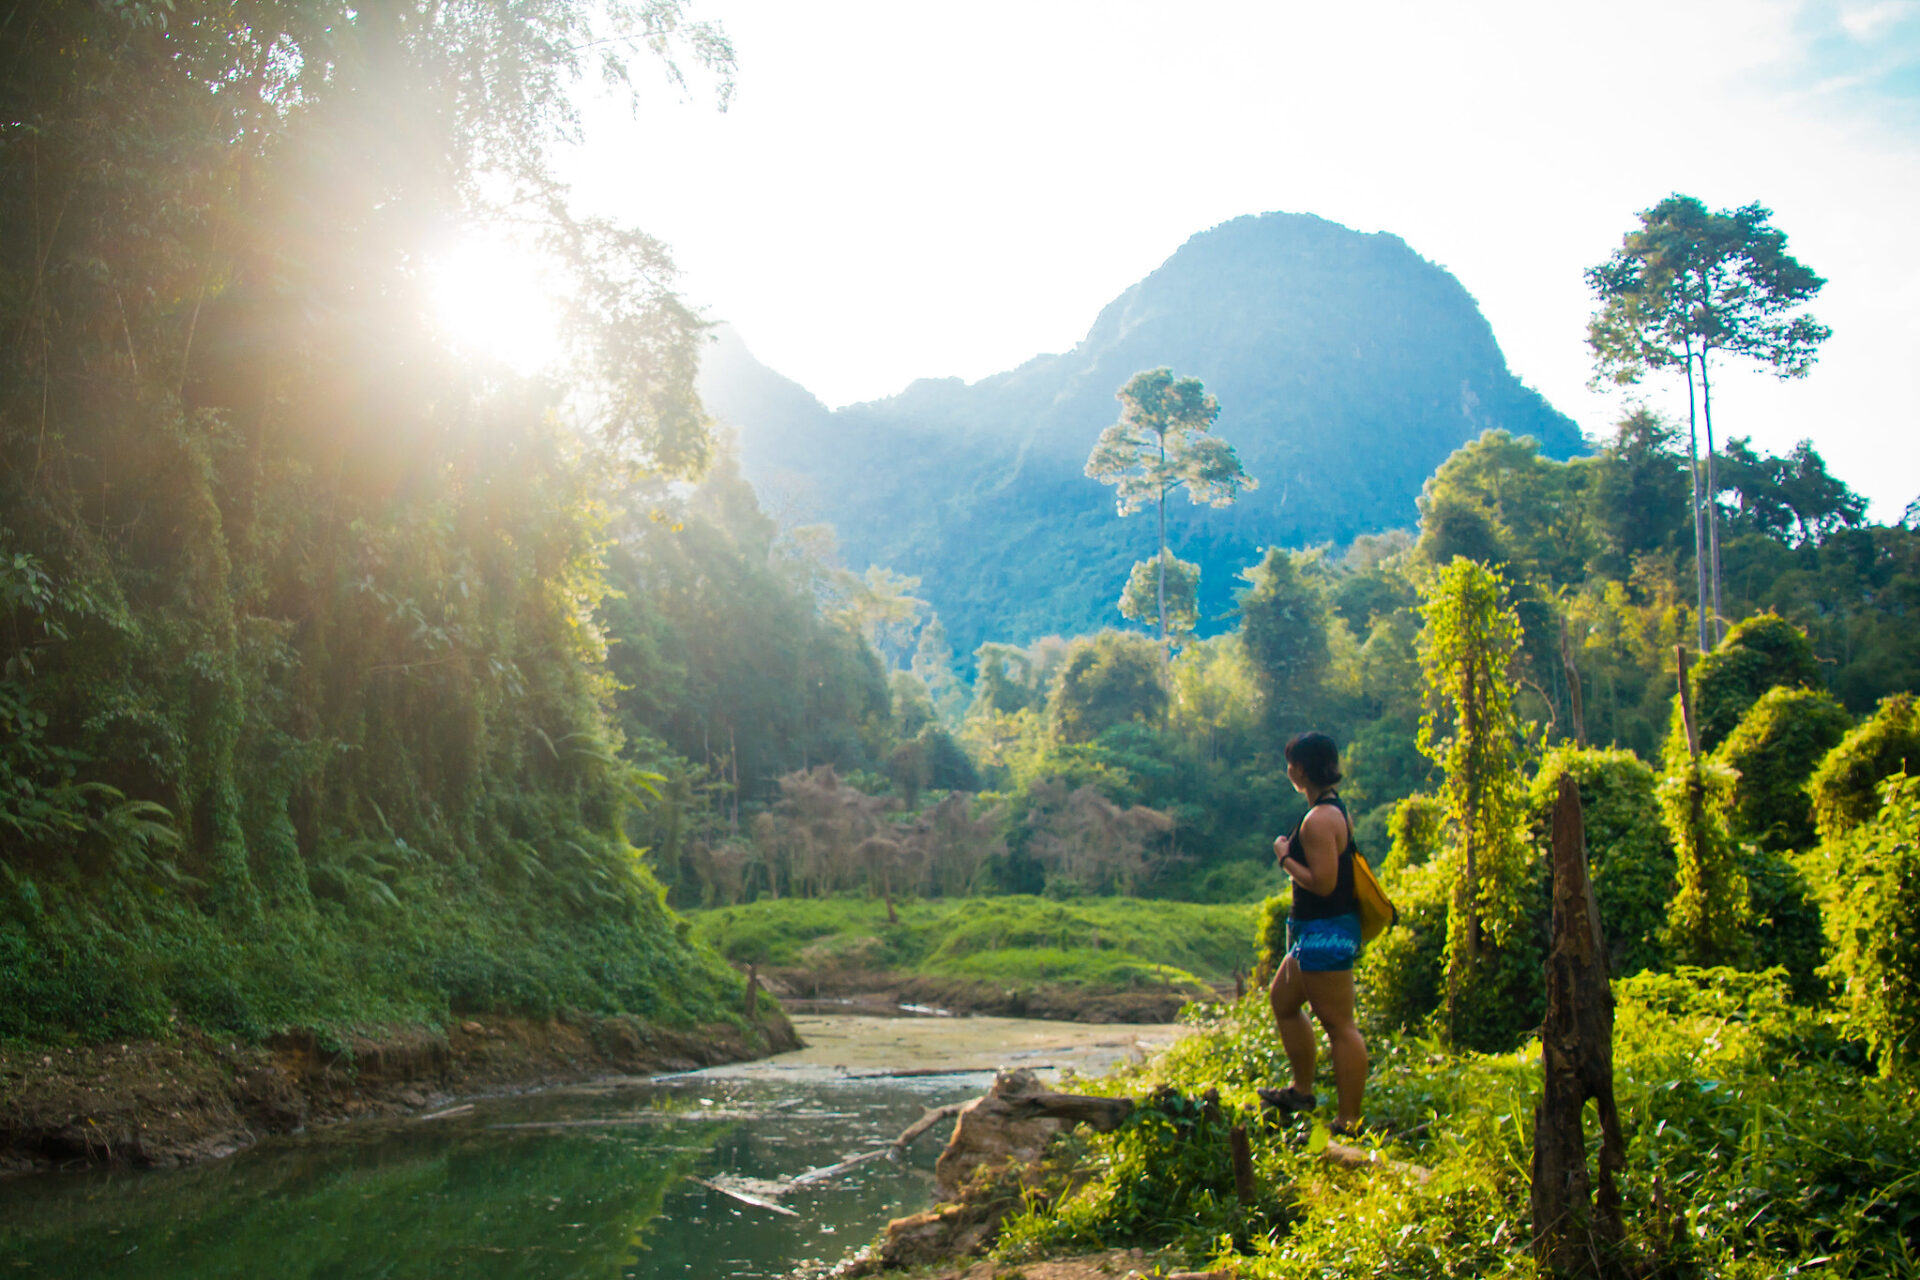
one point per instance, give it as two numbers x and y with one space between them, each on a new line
1576 1225
1244 1184
1015 1122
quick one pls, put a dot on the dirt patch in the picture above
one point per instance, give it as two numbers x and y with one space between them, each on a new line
161 1104
878 989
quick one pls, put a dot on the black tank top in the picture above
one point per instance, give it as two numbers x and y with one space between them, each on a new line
1308 905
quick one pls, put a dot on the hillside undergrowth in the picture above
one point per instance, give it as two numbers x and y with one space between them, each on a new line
1759 1144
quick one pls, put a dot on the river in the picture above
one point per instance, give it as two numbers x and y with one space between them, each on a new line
614 1179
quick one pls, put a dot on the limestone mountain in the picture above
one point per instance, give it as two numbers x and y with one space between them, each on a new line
1347 368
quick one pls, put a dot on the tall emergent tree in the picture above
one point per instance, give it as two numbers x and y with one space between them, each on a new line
1687 283
1162 442
1166 589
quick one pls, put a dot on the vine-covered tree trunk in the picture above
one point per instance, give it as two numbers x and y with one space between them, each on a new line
1708 915
1577 1229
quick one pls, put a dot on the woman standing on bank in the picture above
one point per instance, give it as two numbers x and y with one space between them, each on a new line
1323 938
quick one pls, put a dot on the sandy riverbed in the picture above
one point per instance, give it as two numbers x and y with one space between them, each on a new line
864 1044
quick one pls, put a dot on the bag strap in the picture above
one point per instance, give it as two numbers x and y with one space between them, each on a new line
1333 798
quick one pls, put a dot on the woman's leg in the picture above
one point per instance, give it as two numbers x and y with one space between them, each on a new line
1331 995
1288 996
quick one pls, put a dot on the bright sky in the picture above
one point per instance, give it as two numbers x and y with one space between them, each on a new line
906 190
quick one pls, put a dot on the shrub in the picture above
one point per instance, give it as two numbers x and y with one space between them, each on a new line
1845 788
1872 913
1708 915
1776 747
1402 973
1629 854
1786 928
1414 828
1106 680
1761 653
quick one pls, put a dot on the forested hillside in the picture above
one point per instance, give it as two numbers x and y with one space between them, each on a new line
306 714
1347 366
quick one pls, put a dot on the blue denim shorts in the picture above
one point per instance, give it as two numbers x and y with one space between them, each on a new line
1324 946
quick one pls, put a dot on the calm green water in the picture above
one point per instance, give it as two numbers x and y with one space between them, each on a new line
584 1183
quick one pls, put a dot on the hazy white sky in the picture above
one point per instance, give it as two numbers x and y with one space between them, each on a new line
906 190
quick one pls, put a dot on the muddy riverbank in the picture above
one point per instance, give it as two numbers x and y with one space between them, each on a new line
159 1104
830 990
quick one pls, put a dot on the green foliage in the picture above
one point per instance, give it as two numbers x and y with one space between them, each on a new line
409 943
306 710
1178 579
1629 855
1417 830
1110 679
1165 1178
1498 501
1773 751
1283 631
1761 653
1402 973
1786 928
1709 914
1097 943
1755 1148
1845 788
1868 881
1687 282
1469 729
1162 443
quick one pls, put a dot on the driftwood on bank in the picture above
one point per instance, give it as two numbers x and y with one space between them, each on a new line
1576 1218
1014 1122
895 1148
744 1197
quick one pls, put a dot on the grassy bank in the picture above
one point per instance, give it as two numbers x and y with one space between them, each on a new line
123 963
1094 944
1758 1145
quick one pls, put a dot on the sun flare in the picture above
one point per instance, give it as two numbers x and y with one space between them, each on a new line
491 298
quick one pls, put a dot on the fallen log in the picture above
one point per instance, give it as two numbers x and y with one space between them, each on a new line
925 1123
1104 1114
743 1197
834 1170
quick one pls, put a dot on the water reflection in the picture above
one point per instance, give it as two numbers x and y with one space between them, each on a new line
578 1184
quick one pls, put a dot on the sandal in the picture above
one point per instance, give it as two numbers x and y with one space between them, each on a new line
1288 1101
1342 1129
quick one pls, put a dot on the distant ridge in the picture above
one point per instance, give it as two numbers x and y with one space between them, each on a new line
1346 365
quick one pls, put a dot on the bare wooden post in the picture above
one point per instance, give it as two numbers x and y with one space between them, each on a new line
1243 1183
1576 1226
1576 702
1680 663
